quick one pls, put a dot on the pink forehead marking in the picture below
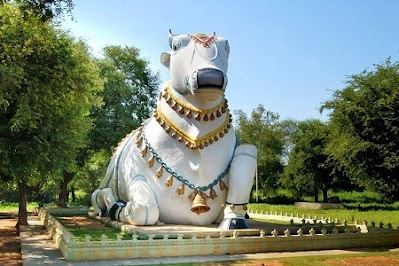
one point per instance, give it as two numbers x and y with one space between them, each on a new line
203 39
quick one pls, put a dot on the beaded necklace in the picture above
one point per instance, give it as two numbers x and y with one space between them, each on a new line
191 111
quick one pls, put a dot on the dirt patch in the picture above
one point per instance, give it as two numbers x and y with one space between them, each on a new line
368 261
81 221
10 247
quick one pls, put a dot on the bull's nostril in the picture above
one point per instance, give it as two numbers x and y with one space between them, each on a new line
210 78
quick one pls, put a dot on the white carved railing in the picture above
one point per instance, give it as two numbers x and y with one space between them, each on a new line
316 237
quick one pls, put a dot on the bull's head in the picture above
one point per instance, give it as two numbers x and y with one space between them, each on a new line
197 63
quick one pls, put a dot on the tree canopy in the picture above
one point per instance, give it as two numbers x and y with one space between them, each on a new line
365 119
45 10
310 168
129 95
263 129
48 84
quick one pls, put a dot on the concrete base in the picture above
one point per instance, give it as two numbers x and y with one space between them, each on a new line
318 206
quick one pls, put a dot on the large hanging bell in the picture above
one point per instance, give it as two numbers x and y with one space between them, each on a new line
199 204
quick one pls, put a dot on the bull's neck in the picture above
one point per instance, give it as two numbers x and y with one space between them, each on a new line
194 122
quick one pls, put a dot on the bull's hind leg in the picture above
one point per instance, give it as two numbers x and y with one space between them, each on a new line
141 209
242 172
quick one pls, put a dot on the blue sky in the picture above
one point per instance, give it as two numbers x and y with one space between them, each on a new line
287 55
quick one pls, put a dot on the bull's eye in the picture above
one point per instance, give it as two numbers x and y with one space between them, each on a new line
176 44
227 47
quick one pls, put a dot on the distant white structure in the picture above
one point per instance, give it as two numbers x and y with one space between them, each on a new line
184 165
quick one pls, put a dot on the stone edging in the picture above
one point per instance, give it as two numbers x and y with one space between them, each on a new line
214 243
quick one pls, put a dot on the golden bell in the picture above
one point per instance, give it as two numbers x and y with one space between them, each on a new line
199 204
222 185
169 181
159 172
212 194
150 161
180 190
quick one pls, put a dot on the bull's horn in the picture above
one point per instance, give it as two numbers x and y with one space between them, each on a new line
170 37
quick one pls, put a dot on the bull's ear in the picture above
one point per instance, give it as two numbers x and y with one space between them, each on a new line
165 59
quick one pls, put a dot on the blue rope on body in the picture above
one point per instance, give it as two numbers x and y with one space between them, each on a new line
179 177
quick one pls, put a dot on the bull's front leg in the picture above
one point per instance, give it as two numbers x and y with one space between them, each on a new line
241 175
141 209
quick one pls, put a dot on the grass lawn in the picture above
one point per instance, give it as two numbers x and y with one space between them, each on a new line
80 226
13 207
385 258
348 214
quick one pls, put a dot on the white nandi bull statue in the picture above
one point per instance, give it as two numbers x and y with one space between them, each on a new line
184 165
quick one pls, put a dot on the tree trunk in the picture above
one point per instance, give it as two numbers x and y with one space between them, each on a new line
325 198
73 194
316 194
22 212
316 197
63 189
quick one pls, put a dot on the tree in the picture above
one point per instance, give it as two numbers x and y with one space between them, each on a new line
129 96
310 168
48 83
365 116
45 10
264 130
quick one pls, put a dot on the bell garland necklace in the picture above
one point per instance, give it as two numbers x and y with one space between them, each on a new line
144 146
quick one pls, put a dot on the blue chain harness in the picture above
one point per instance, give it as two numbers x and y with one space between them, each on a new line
179 177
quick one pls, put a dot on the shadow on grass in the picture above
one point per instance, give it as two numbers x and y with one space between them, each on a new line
371 207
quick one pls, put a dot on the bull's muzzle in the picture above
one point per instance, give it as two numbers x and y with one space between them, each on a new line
210 78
